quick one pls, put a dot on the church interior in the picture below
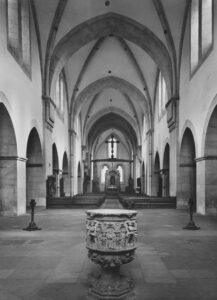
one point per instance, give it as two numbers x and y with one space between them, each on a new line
108 104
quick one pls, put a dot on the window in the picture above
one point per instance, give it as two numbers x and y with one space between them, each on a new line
60 93
120 169
201 31
103 173
162 94
18 32
112 147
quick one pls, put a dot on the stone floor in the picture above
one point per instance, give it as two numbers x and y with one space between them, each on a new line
52 264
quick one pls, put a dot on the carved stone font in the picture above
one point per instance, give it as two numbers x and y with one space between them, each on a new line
111 236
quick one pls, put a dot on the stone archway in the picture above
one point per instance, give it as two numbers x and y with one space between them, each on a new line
210 160
56 170
65 180
157 181
187 170
35 179
8 165
79 178
166 172
143 178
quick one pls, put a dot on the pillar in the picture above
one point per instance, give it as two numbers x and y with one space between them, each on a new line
149 168
206 189
72 135
172 108
165 182
134 172
201 185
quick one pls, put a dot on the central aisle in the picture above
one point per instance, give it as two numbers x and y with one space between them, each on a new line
111 201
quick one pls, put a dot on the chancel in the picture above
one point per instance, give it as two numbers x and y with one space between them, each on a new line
112 141
108 105
112 181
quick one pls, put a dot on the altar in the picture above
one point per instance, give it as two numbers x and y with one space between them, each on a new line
112 181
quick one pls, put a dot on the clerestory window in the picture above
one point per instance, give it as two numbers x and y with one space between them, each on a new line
201 38
60 93
162 94
18 32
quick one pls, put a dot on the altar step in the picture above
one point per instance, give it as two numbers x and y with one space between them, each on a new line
111 203
141 201
77 201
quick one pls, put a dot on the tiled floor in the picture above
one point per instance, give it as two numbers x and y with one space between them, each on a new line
52 264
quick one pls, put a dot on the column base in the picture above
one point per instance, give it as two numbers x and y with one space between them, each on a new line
31 227
191 226
110 285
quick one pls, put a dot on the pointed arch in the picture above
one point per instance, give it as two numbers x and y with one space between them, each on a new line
35 179
104 169
104 25
8 164
187 170
157 182
65 179
55 159
166 171
125 87
120 168
210 158
65 167
79 174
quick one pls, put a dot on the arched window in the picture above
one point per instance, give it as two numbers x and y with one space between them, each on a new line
18 32
162 94
121 172
112 150
201 31
103 173
60 93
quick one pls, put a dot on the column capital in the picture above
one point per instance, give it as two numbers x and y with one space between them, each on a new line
172 112
24 159
208 157
48 99
150 131
72 132
49 111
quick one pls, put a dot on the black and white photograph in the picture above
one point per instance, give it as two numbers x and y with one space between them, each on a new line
108 149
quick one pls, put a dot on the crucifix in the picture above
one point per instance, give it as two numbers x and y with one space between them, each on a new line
112 141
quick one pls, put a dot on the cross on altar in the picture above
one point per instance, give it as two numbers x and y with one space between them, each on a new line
112 142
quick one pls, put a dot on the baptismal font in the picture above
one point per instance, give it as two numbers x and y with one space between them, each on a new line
111 236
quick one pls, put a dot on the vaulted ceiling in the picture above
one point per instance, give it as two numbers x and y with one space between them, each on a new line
111 53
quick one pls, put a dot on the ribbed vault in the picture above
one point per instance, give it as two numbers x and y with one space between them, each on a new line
115 121
105 114
117 83
105 25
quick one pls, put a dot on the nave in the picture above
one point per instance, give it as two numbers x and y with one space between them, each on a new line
52 264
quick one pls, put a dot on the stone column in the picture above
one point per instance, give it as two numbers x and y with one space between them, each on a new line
172 108
13 185
72 135
134 172
48 112
91 175
201 185
149 162
165 182
58 174
206 178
